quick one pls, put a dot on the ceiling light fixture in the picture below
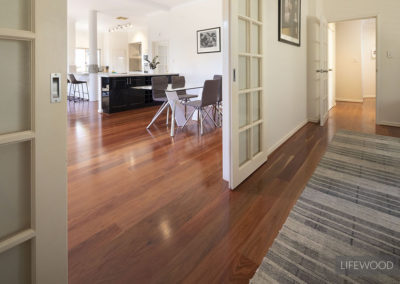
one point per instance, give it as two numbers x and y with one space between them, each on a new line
122 18
120 28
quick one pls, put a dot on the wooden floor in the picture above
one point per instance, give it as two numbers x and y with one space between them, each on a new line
145 208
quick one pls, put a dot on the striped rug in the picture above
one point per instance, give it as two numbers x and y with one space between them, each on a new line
349 210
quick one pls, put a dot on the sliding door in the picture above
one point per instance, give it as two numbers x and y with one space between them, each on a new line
246 85
33 247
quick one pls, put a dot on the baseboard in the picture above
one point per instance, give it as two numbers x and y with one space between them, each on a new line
370 97
387 123
286 137
349 100
313 120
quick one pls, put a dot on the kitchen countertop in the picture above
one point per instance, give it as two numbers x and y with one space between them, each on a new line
135 74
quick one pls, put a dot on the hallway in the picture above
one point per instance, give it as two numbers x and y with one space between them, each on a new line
138 214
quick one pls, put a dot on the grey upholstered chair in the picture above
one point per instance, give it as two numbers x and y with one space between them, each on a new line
219 77
218 106
209 98
76 84
178 82
159 85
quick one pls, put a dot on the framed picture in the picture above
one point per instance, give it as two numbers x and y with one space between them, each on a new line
290 21
209 41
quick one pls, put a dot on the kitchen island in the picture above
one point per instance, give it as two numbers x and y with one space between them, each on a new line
118 95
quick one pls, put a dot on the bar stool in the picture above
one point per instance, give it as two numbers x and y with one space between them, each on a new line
76 84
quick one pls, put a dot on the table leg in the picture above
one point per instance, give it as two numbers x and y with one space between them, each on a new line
165 104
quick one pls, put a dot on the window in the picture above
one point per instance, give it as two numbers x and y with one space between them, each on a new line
82 59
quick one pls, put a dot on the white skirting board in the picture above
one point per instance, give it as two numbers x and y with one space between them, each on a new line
287 136
387 123
349 100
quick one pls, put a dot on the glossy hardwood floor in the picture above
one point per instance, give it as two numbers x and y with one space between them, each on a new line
145 208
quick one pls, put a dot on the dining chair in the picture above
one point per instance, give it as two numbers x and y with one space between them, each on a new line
75 83
159 85
179 82
209 98
218 106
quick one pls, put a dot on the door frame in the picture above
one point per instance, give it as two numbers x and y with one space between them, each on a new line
378 41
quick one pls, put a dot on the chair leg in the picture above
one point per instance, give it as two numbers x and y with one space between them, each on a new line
201 121
167 116
69 92
79 91
83 93
87 89
74 93
189 117
208 114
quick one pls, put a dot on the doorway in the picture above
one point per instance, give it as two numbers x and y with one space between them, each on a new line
352 52
161 49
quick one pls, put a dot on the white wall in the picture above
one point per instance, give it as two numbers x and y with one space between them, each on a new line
71 45
368 39
178 26
388 98
285 78
348 61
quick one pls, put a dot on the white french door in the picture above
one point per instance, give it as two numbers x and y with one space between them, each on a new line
33 228
248 151
324 94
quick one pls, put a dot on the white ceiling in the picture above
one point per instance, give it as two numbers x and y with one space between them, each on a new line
108 10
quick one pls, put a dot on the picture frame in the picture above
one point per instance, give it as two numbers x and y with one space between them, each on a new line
209 40
289 27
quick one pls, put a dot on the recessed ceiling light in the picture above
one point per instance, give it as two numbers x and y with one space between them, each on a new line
122 18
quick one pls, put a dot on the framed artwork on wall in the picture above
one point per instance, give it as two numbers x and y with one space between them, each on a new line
209 41
290 22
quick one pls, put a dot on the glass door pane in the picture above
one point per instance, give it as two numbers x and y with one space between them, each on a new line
243 35
243 7
15 82
244 138
15 196
243 72
15 14
15 265
255 14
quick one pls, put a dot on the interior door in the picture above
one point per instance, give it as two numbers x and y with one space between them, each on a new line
332 65
314 68
324 100
33 219
248 150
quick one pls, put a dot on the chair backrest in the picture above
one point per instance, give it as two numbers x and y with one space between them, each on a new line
179 82
219 77
159 84
72 79
210 93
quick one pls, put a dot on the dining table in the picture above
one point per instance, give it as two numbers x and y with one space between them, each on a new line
175 102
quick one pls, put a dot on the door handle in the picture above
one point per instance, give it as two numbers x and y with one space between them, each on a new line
330 70
234 75
319 71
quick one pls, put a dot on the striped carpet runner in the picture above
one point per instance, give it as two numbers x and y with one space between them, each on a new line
345 227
